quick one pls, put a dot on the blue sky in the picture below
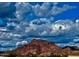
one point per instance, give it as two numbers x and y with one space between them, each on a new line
11 8
51 21
7 11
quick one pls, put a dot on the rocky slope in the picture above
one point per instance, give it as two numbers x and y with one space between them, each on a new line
39 48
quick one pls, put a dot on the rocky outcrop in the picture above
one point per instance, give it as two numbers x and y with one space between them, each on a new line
41 48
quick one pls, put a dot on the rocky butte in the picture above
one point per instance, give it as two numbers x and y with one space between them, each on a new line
40 48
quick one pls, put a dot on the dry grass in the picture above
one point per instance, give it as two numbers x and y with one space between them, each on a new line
74 54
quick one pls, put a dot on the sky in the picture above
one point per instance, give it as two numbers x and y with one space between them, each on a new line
52 21
8 9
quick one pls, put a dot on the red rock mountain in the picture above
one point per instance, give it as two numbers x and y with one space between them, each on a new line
41 48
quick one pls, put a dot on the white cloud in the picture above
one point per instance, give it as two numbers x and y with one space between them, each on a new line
61 26
21 43
41 26
57 10
3 29
43 10
77 21
76 40
22 8
43 33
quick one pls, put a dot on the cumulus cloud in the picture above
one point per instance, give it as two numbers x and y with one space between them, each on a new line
56 28
62 25
76 40
19 44
41 27
43 10
57 10
44 26
43 33
22 8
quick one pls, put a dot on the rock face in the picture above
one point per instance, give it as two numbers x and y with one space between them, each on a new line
40 48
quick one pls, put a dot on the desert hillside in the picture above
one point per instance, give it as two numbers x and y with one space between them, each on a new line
39 48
